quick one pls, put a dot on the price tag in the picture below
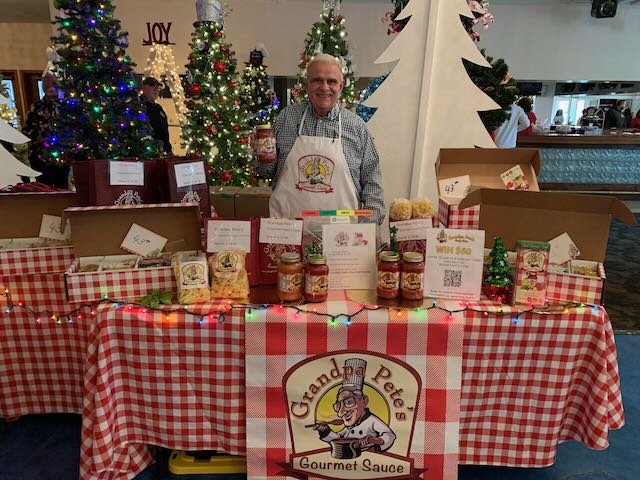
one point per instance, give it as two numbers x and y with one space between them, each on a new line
563 249
455 188
228 235
126 173
50 228
143 242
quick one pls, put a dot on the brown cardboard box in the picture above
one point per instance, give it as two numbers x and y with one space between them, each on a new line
543 216
99 231
484 166
253 202
223 199
23 216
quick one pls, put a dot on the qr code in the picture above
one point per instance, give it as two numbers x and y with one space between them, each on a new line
452 278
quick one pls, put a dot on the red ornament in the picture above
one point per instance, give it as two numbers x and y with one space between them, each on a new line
195 89
190 104
223 48
219 66
212 130
498 294
243 140
226 177
236 102
236 128
217 116
219 34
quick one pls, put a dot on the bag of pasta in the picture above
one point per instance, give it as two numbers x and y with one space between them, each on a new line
192 277
229 275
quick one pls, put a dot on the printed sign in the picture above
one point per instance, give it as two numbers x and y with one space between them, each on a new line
50 228
455 259
126 173
455 188
190 174
280 231
412 229
143 242
351 255
228 235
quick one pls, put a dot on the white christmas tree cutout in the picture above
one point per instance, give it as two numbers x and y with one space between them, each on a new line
10 167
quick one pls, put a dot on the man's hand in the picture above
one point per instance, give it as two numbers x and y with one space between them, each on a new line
369 441
320 427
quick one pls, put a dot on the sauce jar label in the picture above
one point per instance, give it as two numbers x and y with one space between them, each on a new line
412 281
289 282
389 280
316 284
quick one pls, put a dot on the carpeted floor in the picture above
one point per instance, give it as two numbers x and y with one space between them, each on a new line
622 266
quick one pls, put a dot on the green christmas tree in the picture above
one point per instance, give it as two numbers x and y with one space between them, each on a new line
328 36
499 269
260 101
100 115
216 129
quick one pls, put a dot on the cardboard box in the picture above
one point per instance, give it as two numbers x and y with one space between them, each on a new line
542 216
223 200
253 202
484 166
99 231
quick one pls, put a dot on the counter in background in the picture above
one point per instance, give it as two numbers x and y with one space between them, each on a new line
608 163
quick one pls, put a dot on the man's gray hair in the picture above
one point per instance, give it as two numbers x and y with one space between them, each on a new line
326 58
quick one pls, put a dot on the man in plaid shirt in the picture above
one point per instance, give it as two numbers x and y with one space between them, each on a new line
327 158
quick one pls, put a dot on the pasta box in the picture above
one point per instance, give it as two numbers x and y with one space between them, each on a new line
97 234
484 167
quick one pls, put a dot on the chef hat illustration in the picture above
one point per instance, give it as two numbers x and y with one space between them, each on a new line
354 372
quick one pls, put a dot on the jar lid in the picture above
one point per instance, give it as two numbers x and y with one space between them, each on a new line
389 256
316 259
264 127
290 257
412 257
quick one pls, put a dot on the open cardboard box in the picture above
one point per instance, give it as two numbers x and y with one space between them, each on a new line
484 166
253 202
23 213
542 216
99 231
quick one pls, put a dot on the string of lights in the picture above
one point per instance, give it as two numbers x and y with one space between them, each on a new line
223 309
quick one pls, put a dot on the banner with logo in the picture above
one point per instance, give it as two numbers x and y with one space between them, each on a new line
377 398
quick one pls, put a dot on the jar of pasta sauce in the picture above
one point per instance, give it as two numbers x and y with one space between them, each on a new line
388 285
290 277
412 276
316 279
264 144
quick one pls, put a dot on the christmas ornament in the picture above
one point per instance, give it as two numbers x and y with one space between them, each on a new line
219 66
236 128
190 104
223 49
212 130
243 140
195 89
226 177
233 85
201 45
219 34
217 116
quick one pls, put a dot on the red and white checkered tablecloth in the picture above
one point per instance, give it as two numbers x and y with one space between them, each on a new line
35 260
530 385
41 364
279 343
170 382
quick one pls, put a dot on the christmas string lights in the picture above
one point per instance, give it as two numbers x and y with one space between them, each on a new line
218 314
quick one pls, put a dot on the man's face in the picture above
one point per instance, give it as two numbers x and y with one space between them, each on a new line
350 408
151 92
324 84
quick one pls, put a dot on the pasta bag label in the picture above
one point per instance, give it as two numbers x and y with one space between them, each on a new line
193 274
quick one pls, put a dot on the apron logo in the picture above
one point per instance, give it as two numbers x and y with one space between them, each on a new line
315 173
355 420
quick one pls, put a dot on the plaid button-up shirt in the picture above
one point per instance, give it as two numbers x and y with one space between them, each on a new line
357 144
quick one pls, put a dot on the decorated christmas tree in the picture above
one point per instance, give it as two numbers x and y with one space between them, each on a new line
260 101
328 36
216 129
498 284
100 115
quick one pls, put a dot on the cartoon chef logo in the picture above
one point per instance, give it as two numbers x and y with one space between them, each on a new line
315 173
352 411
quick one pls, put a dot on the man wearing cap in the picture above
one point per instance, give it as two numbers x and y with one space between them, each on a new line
320 131
155 113
351 407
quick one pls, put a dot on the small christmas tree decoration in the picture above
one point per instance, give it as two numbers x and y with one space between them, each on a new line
498 284
260 101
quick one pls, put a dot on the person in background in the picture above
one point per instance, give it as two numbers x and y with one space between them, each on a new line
589 117
525 104
626 117
613 117
559 118
37 128
155 113
327 159
635 121
507 133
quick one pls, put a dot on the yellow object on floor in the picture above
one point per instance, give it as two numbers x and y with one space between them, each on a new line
192 463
